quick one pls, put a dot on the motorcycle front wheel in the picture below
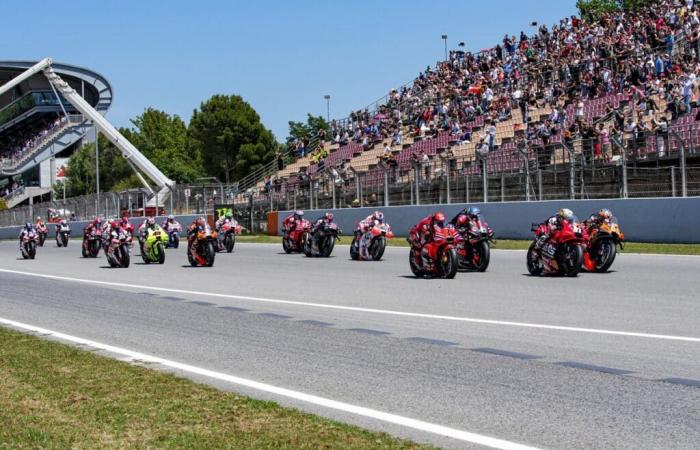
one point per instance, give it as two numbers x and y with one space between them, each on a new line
377 247
448 263
64 238
228 243
211 254
569 259
481 256
603 253
124 257
160 252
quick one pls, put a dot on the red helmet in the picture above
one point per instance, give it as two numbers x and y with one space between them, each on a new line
125 219
462 220
439 219
114 223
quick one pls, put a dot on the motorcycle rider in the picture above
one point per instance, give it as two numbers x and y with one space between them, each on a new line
61 224
28 228
168 223
465 217
291 222
39 223
422 232
126 225
195 227
227 218
363 227
599 218
326 219
554 223
110 231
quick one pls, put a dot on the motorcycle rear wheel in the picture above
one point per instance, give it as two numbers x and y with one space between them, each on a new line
354 250
415 268
534 265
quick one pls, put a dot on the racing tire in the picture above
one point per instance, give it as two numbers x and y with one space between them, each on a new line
603 253
354 249
191 259
228 243
160 251
569 259
483 250
211 254
377 247
415 268
534 265
448 263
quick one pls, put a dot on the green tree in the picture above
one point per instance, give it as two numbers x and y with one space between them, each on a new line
162 138
306 131
594 9
229 135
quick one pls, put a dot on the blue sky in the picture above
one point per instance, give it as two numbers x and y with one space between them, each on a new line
281 56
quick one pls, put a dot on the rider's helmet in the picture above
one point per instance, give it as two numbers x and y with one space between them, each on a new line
229 215
605 214
328 217
63 222
298 215
566 214
125 219
98 220
462 220
439 219
114 223
473 211
150 222
38 218
201 221
28 226
171 218
379 216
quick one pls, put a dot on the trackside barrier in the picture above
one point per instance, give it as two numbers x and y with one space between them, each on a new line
665 220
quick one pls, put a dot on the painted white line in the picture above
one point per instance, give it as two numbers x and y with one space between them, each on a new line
363 310
288 393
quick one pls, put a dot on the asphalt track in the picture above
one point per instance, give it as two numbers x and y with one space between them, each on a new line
600 361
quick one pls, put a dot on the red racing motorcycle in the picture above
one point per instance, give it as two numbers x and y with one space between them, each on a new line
293 241
474 245
437 258
561 254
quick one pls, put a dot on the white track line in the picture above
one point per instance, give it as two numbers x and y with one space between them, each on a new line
288 393
363 310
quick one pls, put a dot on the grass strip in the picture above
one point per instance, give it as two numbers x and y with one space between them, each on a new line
56 396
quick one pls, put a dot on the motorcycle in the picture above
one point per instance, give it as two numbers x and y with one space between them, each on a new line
91 244
174 230
205 248
374 240
153 250
601 246
119 242
62 235
437 258
320 240
474 246
227 236
295 240
28 245
562 254
42 232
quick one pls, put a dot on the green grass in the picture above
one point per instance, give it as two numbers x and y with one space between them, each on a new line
56 396
506 244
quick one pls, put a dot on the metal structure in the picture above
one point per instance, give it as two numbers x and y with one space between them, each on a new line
134 157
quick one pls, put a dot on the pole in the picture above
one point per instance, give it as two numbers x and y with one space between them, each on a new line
466 188
328 107
97 172
485 180
449 196
673 181
333 191
386 187
444 38
539 183
572 177
503 187
417 170
527 180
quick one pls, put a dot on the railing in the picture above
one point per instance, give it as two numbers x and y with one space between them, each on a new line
27 102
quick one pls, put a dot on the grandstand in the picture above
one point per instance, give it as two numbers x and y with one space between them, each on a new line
578 110
38 126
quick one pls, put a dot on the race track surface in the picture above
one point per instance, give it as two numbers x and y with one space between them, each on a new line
599 361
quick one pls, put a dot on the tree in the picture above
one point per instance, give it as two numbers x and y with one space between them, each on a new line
306 131
162 139
229 135
594 9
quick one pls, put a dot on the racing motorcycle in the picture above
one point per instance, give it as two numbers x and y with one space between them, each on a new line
227 236
62 235
374 241
561 254
152 249
601 246
91 244
42 232
174 230
473 245
437 258
205 248
320 240
295 240
28 245
117 248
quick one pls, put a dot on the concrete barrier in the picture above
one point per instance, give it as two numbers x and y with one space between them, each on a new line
666 220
